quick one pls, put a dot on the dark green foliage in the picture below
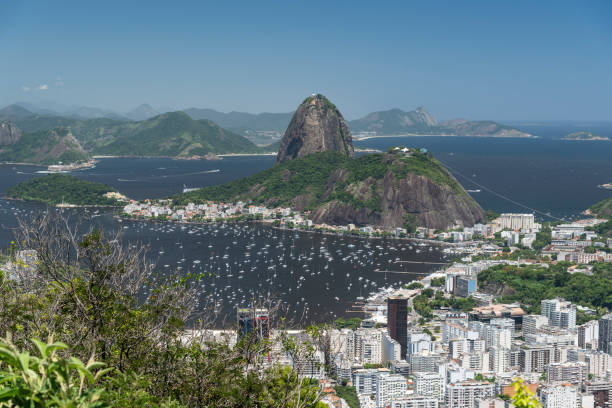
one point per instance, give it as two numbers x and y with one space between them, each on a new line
491 215
350 323
531 284
410 223
414 285
422 307
437 282
61 188
349 394
457 303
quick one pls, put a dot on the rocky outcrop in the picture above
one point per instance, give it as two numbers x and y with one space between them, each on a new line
316 126
9 133
409 198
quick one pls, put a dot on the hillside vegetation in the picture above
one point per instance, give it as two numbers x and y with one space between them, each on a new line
283 183
44 147
529 285
54 189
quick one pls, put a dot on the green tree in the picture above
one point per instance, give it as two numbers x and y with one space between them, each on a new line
48 379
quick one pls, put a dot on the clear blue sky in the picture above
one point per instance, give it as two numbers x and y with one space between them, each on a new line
504 60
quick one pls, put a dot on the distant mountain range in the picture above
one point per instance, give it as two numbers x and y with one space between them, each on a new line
421 122
173 134
266 128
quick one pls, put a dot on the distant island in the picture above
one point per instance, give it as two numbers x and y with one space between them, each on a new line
66 190
585 136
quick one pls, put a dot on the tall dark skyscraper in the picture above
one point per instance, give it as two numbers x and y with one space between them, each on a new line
605 334
397 321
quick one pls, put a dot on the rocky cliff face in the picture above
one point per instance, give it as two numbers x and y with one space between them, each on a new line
403 198
316 126
9 134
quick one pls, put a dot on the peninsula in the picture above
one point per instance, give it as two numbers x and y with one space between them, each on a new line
316 173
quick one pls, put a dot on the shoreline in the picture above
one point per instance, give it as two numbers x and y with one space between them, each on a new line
269 224
429 135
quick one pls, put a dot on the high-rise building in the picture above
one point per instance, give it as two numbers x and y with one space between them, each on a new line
499 359
415 401
391 349
465 394
418 342
559 312
605 334
388 388
368 344
535 357
559 396
517 221
601 391
253 321
588 335
430 385
531 323
397 321
574 372
364 380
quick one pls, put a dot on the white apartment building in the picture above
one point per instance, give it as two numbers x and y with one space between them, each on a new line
365 380
419 342
368 344
559 396
560 313
517 221
388 388
531 323
499 359
429 385
415 401
465 394
574 372
391 349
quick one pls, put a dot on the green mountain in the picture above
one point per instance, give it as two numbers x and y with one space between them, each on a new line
44 147
54 189
421 122
391 190
169 134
